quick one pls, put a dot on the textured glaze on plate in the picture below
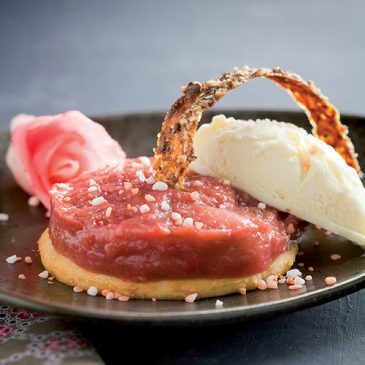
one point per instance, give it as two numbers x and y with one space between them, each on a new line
137 134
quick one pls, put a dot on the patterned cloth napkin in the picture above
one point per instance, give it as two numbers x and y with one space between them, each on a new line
35 338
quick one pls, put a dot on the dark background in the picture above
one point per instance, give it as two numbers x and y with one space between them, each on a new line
120 56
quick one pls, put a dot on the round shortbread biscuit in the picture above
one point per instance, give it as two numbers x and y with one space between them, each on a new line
67 272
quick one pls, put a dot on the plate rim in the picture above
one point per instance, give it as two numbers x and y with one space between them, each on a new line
207 316
202 317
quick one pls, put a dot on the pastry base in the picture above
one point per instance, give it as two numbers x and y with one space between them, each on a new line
67 272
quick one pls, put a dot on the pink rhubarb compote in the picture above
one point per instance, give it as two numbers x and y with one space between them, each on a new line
122 223
54 149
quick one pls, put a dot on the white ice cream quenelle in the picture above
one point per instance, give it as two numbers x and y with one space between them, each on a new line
284 166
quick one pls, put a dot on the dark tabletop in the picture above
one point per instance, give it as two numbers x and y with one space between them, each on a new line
120 56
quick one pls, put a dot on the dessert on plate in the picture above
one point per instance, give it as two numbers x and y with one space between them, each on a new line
213 212
119 230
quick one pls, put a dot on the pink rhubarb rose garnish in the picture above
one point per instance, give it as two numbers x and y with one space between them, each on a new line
54 149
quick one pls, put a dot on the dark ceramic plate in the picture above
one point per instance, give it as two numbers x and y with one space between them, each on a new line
137 134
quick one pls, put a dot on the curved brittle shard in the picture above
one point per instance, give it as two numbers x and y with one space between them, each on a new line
174 151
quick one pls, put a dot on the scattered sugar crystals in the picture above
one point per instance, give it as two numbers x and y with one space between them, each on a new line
78 289
150 198
64 186
97 201
28 260
292 278
290 228
335 257
165 206
119 167
127 185
4 217
242 290
330 280
261 205
261 284
191 298
295 287
140 175
198 225
293 273
188 222
150 180
12 259
145 161
33 201
109 296
299 281
272 282
144 208
160 186
219 304
137 165
177 218
108 211
44 274
92 291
